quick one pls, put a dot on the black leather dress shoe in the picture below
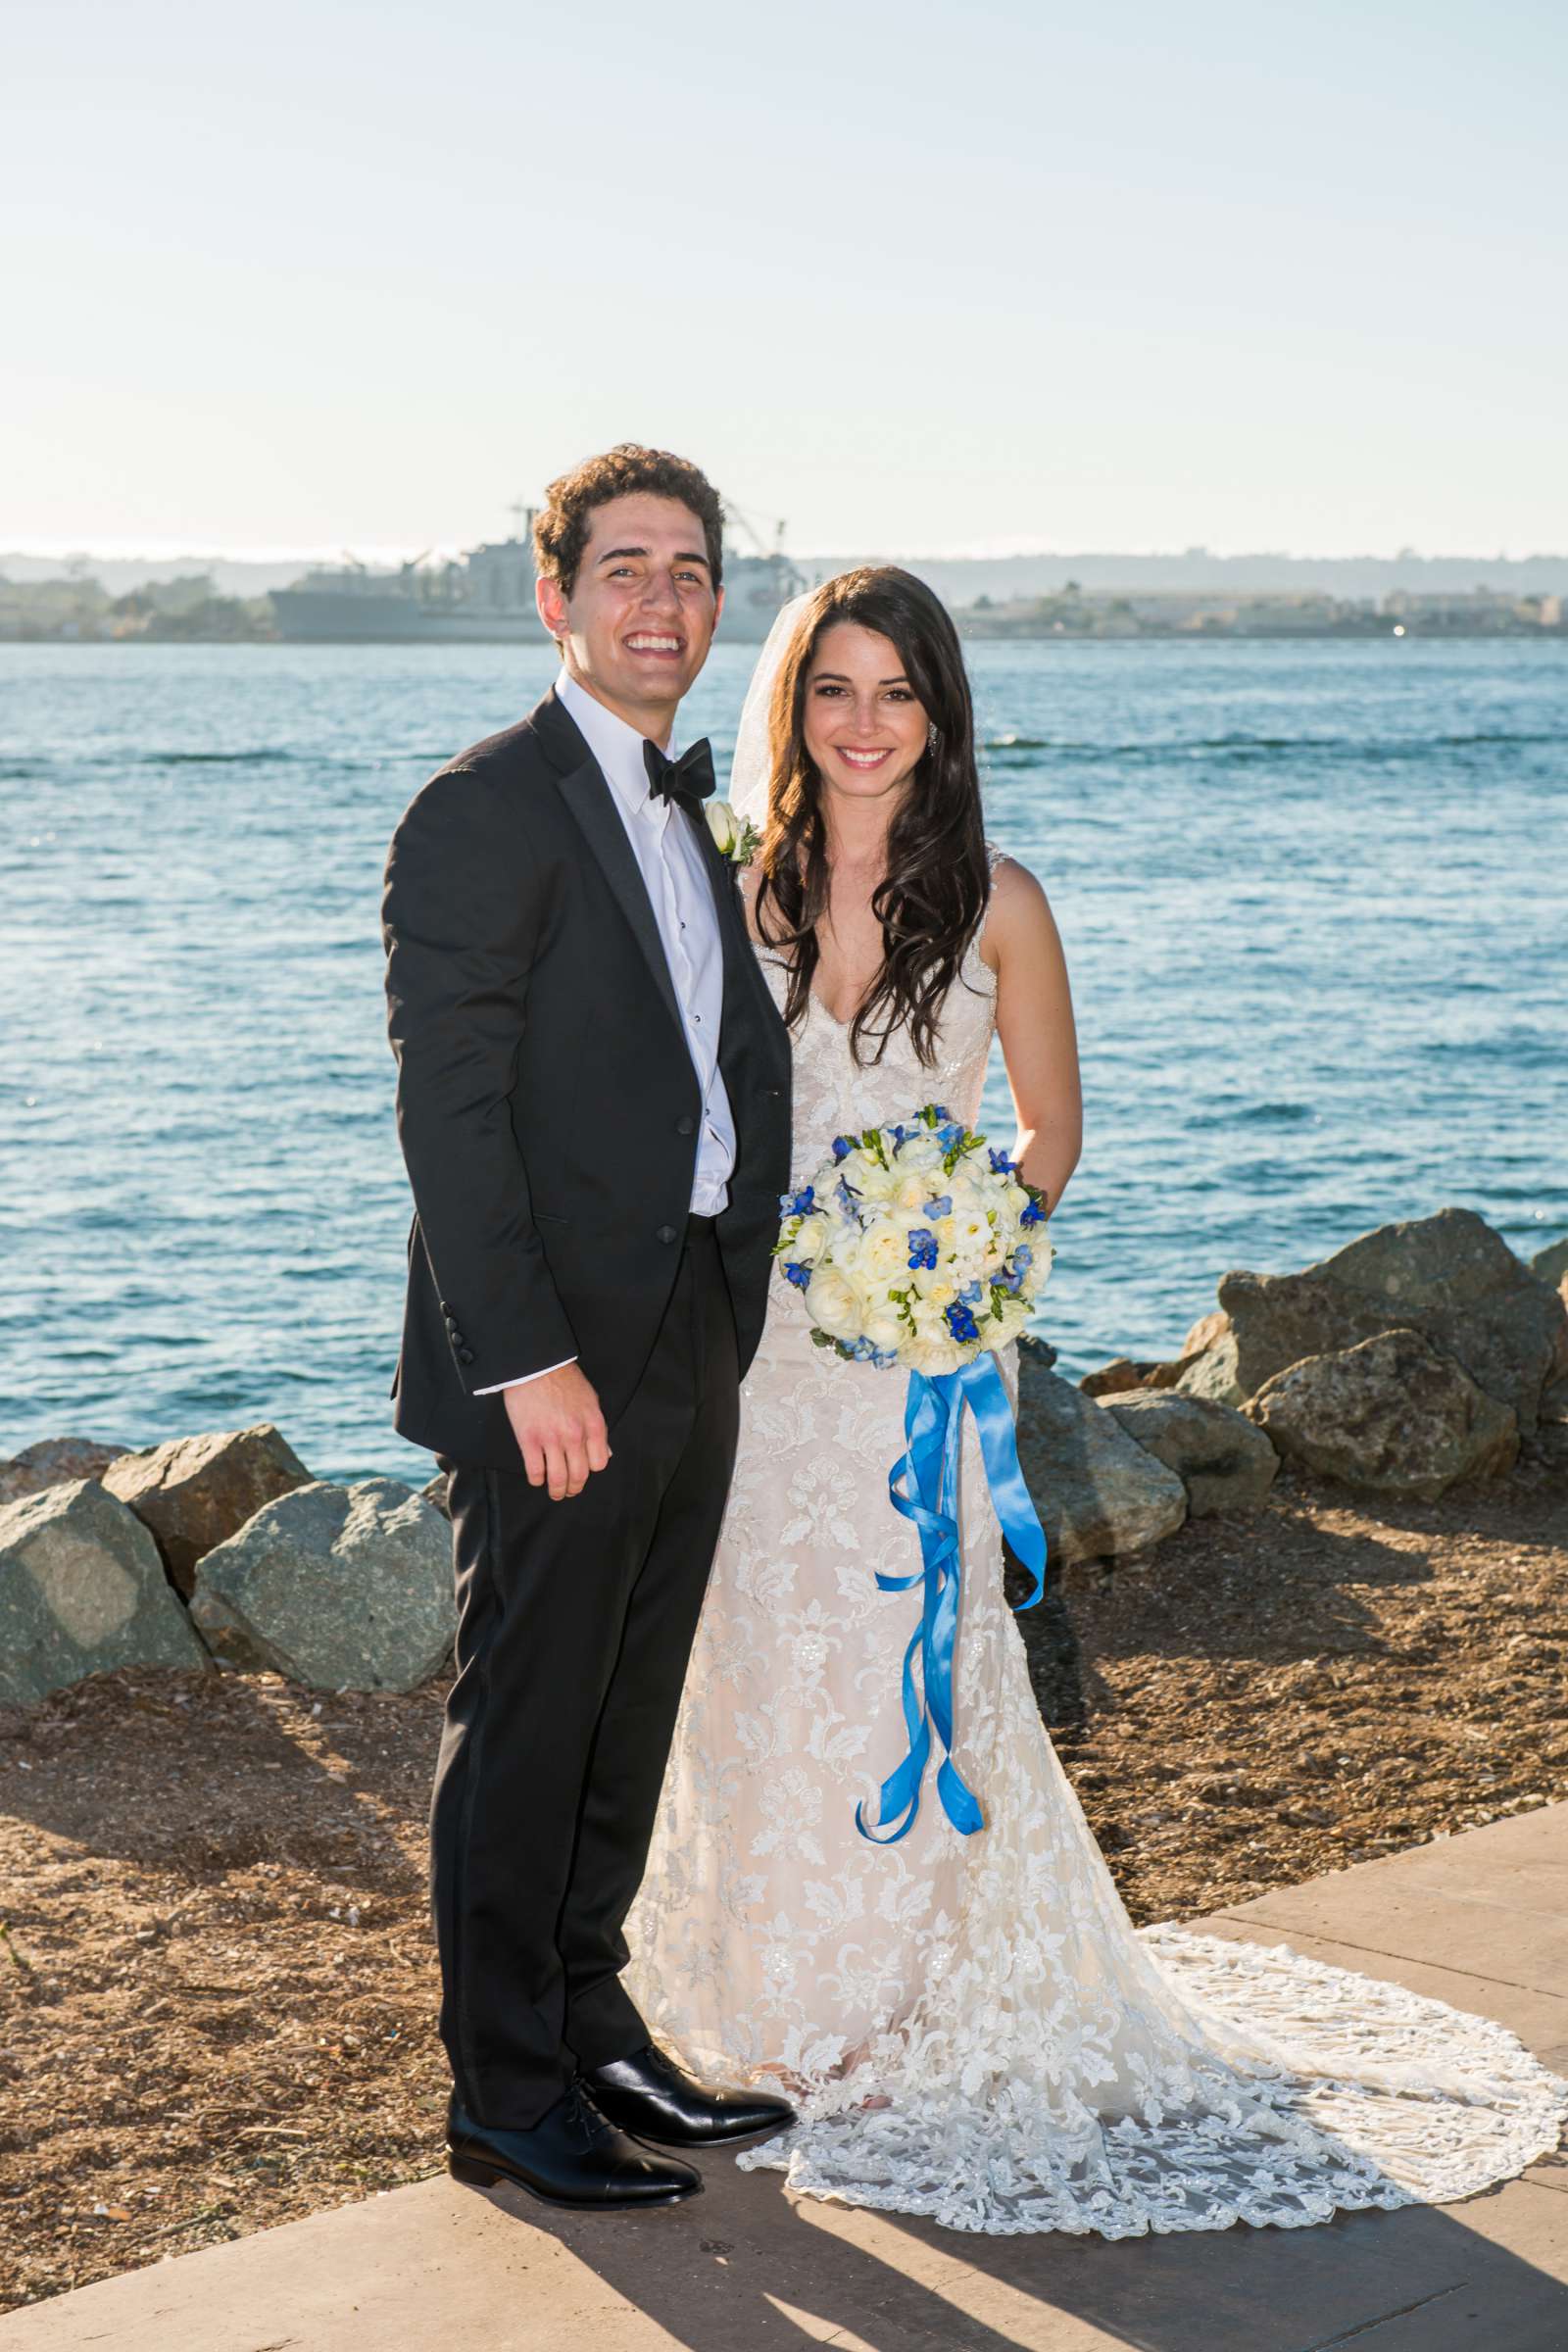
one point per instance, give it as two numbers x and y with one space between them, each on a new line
573 2156
649 2094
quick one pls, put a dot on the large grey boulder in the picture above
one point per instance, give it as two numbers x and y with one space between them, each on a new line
1215 1372
1204 1332
1448 1276
1098 1491
81 1590
340 1588
1225 1462
1389 1416
195 1492
54 1462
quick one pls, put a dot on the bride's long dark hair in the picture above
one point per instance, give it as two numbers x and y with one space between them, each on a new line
933 896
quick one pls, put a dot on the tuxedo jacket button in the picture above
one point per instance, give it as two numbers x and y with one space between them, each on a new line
666 1233
686 1126
464 1355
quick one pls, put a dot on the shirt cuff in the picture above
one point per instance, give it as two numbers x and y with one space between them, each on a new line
502 1386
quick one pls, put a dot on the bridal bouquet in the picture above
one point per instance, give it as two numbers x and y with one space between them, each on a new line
915 1246
918 1246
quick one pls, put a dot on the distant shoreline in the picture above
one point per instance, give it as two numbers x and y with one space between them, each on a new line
196 609
973 629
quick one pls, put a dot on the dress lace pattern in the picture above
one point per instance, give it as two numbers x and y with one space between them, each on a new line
971 2027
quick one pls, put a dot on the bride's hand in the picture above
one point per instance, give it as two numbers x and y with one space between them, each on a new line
560 1430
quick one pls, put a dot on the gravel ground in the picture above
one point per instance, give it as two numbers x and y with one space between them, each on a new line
215 1965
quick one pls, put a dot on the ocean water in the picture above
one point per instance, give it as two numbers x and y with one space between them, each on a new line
1313 896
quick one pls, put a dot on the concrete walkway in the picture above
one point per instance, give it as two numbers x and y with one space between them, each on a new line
1481 1920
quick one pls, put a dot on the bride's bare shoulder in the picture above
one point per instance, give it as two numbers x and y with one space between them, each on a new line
1018 913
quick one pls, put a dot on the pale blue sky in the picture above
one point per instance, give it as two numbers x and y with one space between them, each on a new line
923 277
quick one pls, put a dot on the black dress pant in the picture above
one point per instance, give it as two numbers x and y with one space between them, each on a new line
575 1621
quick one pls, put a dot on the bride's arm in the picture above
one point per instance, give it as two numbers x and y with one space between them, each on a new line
1035 1023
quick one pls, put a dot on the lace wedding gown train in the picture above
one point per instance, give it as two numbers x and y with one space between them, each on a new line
971 2027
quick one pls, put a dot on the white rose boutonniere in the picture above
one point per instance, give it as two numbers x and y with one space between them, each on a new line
734 837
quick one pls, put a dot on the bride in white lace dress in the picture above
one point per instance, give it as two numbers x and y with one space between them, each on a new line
970 2025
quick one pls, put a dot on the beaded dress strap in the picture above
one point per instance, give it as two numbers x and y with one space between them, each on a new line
995 854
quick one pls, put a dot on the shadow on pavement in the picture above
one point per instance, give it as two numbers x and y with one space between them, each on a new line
747 2269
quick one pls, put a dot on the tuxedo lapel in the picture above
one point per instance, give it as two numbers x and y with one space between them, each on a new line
580 782
593 805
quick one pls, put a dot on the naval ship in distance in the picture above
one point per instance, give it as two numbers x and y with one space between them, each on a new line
485 597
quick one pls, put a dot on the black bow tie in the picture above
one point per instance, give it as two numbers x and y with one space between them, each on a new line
690 777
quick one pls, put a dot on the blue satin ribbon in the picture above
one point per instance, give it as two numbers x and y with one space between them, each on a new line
924 1488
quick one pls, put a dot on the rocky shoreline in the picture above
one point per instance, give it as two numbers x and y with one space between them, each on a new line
1422 1355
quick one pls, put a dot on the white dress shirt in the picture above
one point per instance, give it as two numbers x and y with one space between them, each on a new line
674 868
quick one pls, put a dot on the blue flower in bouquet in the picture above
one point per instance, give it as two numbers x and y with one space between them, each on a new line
1000 1163
950 1135
844 1145
1031 1215
798 1204
1023 1256
1009 1279
942 1208
923 1248
801 1276
962 1323
971 1294
848 1199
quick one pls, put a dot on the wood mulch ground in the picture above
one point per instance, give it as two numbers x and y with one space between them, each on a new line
215 1966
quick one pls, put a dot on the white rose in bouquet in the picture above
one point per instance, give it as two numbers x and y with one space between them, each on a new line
812 1239
878 1184
934 1285
883 1256
834 1304
885 1327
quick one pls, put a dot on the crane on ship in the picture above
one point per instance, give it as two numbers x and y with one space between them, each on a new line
778 578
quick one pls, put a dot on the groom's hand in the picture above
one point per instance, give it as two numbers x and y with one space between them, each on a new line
560 1430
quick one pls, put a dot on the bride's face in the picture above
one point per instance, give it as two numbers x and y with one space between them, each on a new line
864 730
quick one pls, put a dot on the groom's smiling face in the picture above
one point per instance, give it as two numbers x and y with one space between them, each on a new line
636 624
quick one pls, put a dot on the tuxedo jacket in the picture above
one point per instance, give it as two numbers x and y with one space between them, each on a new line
547 1104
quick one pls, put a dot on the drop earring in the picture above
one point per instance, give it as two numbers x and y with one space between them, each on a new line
932 736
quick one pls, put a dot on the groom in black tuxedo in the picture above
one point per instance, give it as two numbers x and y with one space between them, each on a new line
593 1101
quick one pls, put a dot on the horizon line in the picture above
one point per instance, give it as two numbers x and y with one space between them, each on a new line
173 551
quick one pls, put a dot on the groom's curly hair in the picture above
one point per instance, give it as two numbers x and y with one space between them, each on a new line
561 528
